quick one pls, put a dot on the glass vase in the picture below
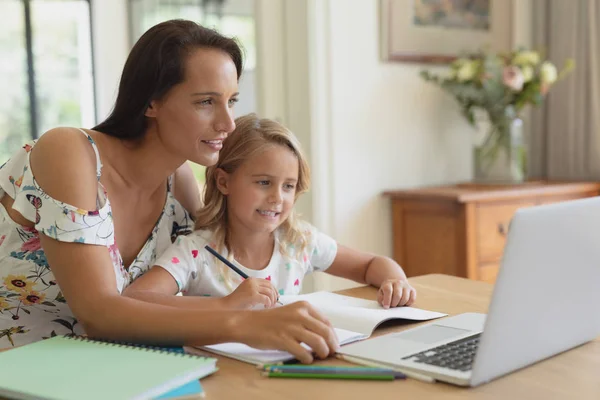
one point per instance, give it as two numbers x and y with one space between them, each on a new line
502 156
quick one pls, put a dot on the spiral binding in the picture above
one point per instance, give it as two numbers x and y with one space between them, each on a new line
178 351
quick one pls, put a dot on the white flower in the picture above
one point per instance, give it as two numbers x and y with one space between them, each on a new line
527 58
513 78
548 73
466 71
527 72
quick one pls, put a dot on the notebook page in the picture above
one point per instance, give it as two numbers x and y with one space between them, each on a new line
242 352
358 315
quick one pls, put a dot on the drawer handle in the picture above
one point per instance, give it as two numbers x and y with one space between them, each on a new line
502 229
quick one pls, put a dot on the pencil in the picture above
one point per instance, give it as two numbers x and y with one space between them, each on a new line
329 375
271 367
226 262
336 370
410 374
230 265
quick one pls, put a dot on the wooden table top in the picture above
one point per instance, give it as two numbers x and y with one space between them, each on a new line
573 374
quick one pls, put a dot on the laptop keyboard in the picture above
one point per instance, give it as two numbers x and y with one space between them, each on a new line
457 355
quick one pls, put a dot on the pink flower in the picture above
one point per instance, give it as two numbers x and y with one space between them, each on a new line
32 244
513 78
115 255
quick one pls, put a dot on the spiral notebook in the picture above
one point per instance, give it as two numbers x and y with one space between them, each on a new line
79 368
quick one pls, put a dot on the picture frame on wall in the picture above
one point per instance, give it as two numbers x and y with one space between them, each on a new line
438 31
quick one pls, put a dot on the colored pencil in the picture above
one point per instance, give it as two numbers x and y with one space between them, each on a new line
329 375
336 370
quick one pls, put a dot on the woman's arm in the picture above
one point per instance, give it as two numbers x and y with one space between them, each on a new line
378 271
64 166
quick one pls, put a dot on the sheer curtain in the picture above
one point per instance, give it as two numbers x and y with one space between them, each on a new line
565 134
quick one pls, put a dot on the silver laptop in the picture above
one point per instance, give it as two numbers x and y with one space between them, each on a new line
545 301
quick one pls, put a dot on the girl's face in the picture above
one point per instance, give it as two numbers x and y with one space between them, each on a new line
195 116
262 191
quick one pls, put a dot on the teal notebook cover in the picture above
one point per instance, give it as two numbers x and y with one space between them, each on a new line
78 368
191 389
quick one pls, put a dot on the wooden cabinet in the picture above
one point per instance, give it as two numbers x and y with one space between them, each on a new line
461 229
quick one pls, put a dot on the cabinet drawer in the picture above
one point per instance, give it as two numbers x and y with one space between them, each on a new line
488 272
492 227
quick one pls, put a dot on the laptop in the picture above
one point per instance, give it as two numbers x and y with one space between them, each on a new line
545 301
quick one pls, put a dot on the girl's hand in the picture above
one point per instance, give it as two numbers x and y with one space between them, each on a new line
252 292
395 293
286 328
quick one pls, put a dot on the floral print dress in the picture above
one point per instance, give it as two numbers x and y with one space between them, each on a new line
32 306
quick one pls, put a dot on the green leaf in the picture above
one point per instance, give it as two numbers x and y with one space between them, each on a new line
469 115
47 303
60 298
63 323
26 311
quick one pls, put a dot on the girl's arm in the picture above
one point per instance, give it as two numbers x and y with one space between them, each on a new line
86 277
378 271
158 286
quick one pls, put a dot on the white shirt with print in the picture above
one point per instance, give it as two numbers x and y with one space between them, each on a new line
199 273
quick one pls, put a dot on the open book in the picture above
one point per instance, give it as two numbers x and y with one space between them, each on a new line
354 319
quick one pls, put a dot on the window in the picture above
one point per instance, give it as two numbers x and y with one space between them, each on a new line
233 18
46 72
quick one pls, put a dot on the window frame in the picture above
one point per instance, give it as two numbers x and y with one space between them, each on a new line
31 72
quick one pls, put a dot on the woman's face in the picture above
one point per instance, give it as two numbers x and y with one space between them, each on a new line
195 116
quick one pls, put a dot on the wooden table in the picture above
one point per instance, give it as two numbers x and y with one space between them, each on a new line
571 375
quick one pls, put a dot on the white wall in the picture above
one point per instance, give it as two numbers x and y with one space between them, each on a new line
375 126
388 129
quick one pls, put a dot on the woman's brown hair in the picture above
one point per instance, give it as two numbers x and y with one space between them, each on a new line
155 65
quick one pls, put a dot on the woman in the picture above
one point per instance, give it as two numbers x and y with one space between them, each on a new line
85 212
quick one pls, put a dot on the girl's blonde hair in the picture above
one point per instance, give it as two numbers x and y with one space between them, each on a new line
251 136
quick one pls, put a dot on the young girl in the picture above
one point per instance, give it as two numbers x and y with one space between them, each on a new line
249 218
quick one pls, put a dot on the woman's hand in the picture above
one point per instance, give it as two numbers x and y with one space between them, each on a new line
252 292
395 293
285 328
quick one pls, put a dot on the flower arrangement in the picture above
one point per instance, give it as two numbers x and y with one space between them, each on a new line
501 84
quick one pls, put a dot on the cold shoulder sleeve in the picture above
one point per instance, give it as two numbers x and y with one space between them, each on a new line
58 220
